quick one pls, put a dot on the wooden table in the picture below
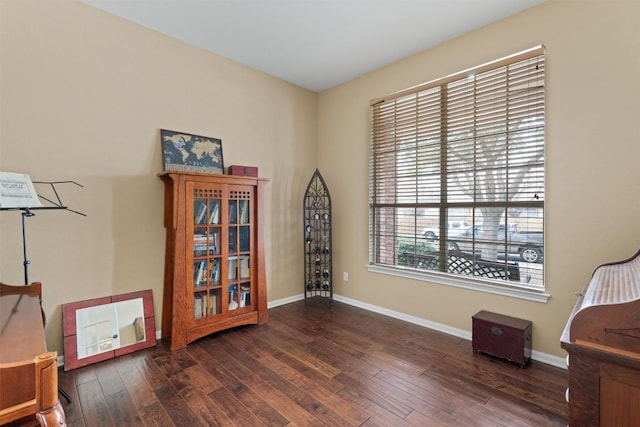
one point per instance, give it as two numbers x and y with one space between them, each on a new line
28 373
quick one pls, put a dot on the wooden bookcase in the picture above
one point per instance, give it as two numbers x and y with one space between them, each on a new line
214 276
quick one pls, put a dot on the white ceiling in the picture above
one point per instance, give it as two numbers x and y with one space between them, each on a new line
316 44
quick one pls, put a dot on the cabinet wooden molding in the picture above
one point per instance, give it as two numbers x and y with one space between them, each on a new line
214 276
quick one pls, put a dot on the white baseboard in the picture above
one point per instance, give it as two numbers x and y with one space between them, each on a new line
284 301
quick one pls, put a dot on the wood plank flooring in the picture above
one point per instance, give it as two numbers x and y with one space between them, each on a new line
316 364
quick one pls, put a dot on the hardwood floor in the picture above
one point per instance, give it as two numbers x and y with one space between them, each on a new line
316 365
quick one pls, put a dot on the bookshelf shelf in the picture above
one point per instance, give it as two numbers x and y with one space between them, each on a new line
214 268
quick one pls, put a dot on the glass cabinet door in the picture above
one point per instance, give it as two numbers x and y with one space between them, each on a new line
239 259
207 253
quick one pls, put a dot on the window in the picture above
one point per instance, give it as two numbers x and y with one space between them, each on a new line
456 176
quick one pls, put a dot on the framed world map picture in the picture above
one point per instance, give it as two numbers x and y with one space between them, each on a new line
191 153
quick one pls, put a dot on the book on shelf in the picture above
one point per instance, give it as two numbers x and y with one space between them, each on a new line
215 272
233 268
244 233
196 272
199 249
245 295
202 212
232 211
243 299
214 243
233 237
213 304
197 307
200 273
200 244
244 267
215 208
244 212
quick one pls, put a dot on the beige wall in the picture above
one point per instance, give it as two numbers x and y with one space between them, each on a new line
593 158
83 95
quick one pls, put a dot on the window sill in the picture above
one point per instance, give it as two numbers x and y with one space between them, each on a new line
471 283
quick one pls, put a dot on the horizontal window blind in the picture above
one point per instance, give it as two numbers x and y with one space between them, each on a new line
465 149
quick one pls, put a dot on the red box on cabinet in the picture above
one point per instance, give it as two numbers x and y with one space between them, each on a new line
243 170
